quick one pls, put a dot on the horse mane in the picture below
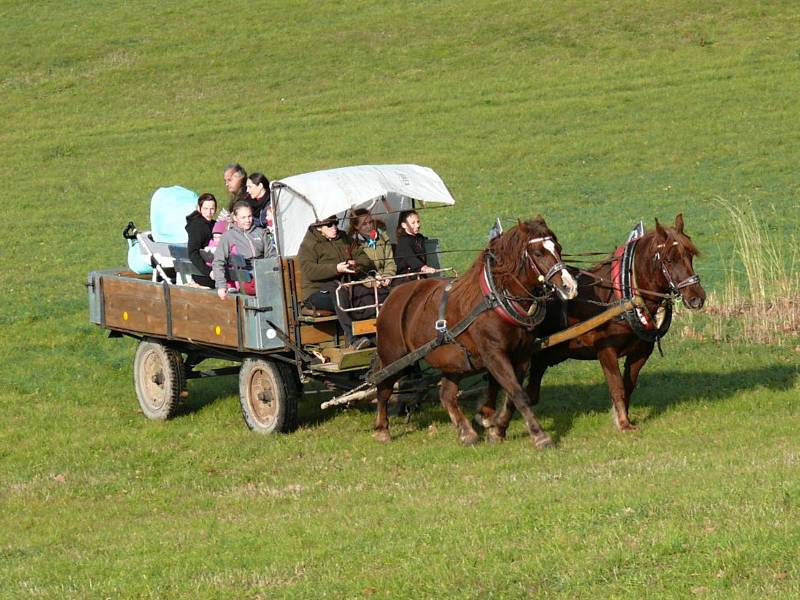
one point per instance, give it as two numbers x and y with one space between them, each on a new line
508 251
673 235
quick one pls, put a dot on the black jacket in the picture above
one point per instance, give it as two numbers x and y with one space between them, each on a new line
410 255
199 231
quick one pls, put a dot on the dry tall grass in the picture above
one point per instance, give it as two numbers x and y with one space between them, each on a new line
761 299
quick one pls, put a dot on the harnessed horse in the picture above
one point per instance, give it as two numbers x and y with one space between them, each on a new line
657 267
496 306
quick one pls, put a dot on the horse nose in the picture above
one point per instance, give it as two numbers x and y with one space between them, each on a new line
695 302
569 287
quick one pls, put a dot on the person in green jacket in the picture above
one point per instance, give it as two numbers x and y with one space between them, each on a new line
376 243
328 256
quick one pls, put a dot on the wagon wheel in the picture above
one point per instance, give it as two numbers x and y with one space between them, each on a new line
158 378
264 393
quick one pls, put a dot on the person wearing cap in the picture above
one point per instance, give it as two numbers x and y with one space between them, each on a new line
199 226
328 256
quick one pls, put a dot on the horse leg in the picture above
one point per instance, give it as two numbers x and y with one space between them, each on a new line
381 432
484 418
633 365
509 378
609 361
497 433
448 394
534 388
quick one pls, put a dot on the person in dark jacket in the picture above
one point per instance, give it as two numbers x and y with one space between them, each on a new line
410 254
235 178
326 256
199 225
260 201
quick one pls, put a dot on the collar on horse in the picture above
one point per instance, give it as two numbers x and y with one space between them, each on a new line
509 309
623 276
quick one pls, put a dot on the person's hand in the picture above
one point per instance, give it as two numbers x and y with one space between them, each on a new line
344 267
426 269
222 293
385 282
211 275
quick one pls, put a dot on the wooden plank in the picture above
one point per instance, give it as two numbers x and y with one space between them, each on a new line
348 359
364 327
134 305
318 332
200 316
584 326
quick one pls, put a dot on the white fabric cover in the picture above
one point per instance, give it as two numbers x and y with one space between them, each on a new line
384 189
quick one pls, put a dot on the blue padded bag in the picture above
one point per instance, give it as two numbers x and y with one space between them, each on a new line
169 208
138 262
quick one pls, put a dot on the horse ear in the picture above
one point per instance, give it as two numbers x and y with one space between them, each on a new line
679 223
660 231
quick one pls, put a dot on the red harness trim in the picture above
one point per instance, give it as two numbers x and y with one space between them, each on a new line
499 309
616 272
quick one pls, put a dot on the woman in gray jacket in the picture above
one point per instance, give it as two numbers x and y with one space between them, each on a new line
244 240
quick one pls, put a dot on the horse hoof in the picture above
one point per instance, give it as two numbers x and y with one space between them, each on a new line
469 439
543 442
493 436
382 436
628 427
480 423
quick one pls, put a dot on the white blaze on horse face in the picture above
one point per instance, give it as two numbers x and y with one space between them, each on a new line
570 286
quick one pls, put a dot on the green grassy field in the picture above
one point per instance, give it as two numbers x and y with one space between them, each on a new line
594 114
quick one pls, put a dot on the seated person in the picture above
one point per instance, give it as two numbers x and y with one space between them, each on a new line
327 256
235 178
243 239
375 242
261 201
199 226
410 254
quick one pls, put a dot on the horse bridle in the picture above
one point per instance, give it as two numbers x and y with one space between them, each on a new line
557 267
675 288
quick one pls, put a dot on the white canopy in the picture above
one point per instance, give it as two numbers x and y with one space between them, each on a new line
385 190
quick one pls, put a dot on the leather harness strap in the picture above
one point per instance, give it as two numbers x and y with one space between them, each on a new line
641 322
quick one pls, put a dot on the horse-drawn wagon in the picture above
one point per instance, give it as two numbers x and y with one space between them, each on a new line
279 348
495 311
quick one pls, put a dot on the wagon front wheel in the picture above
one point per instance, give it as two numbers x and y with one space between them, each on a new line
264 394
157 376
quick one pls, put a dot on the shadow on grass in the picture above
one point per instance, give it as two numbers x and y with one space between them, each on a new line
656 391
203 392
564 403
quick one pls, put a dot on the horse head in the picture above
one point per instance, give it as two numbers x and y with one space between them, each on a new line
541 254
673 254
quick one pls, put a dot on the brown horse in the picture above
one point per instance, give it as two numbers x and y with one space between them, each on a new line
661 269
514 269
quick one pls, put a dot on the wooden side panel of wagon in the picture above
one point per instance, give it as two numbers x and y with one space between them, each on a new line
134 305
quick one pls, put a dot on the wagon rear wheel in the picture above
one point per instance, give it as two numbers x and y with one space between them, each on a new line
266 396
158 378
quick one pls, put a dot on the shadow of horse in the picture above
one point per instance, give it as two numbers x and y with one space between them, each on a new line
658 391
562 404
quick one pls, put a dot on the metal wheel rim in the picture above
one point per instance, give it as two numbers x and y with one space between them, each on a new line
260 398
154 381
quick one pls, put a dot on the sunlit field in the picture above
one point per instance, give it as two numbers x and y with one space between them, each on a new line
595 115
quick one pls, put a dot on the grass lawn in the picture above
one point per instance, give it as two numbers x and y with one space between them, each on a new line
594 114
